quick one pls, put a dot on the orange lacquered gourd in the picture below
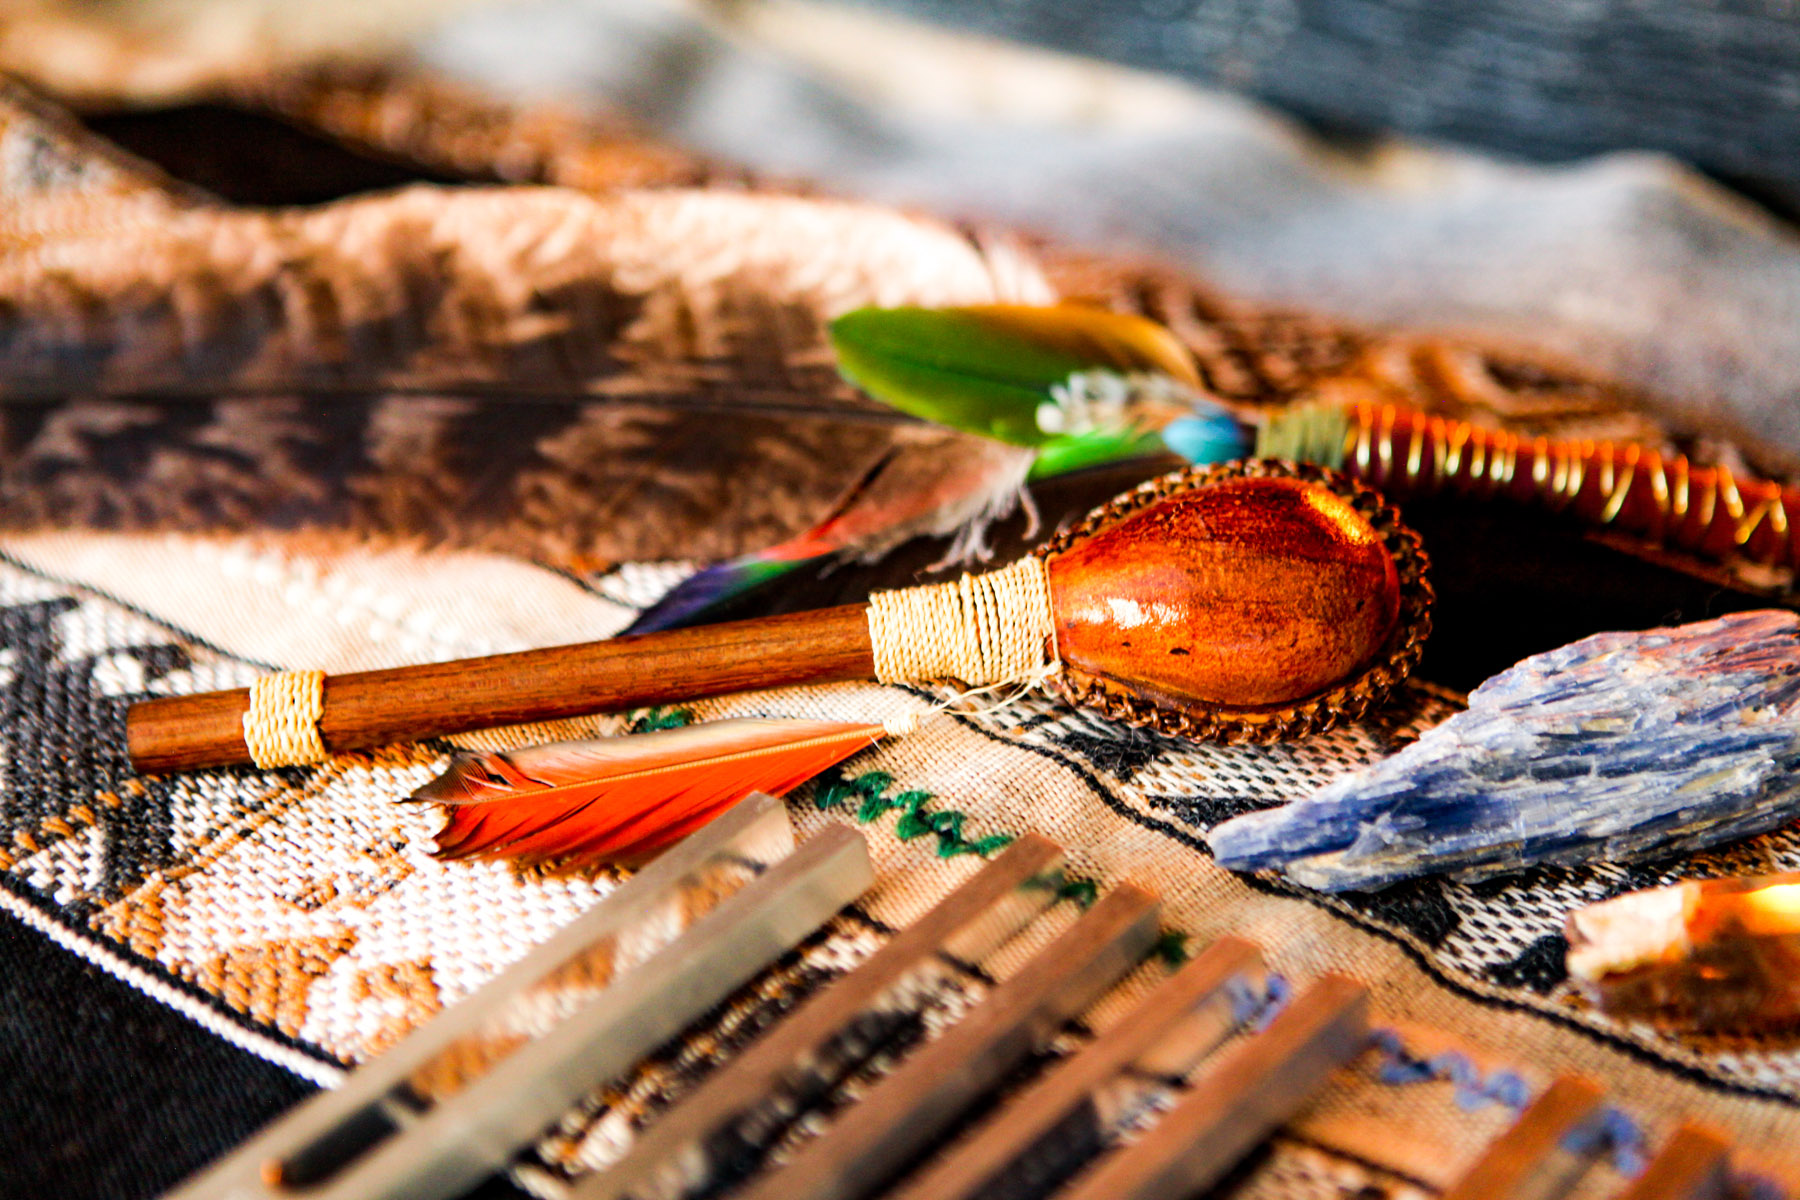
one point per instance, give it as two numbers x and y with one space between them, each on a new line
1247 593
1241 602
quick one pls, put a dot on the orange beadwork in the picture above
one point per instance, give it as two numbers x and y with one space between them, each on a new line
1703 510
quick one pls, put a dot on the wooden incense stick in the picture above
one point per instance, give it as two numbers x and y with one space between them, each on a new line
923 1098
758 1094
1161 1036
1257 1087
1530 1158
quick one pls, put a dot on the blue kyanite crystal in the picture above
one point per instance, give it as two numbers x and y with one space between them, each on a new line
1615 747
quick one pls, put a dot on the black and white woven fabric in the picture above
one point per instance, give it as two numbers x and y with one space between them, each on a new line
240 936
182 958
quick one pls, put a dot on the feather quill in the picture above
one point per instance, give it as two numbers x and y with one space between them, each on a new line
620 800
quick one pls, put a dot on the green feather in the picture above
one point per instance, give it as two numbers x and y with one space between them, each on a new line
1060 455
949 366
988 369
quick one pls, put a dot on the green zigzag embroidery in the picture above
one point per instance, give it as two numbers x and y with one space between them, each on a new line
916 820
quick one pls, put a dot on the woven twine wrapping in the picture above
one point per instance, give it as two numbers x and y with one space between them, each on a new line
281 726
984 629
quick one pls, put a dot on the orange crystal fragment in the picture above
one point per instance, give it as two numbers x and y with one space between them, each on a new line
1717 955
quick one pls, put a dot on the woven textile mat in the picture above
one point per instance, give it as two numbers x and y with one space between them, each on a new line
298 913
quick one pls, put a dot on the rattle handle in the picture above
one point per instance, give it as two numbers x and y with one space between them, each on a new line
374 708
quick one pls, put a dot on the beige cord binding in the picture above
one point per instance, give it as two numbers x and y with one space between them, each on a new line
281 728
981 629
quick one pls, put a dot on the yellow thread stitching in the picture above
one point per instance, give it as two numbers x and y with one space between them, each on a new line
1615 499
1746 527
1365 436
1453 453
1577 470
1728 491
1384 445
1659 485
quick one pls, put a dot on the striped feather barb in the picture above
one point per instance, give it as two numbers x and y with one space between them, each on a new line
623 799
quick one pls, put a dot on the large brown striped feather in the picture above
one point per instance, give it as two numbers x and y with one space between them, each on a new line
573 378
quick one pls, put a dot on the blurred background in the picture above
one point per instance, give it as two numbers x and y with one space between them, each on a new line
1609 180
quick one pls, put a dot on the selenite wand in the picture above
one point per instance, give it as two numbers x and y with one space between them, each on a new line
1246 601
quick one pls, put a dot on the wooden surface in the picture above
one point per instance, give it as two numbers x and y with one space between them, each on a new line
971 1169
1694 1164
1516 1164
739 1087
375 708
1260 1084
897 1119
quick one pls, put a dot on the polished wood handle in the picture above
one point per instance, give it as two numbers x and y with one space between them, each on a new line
375 708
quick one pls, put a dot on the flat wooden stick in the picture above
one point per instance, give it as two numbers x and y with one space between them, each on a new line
1694 1164
1528 1160
1259 1085
878 1138
375 708
1151 1035
765 1085
380 1137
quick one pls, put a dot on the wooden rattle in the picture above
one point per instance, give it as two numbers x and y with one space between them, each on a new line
1247 601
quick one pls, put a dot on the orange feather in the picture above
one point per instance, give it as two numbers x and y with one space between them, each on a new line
620 800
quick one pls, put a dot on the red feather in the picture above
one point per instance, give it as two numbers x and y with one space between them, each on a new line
622 799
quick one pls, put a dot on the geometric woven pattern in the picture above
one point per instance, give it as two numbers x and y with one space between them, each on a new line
298 911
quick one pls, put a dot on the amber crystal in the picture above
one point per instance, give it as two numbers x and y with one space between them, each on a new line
1719 955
